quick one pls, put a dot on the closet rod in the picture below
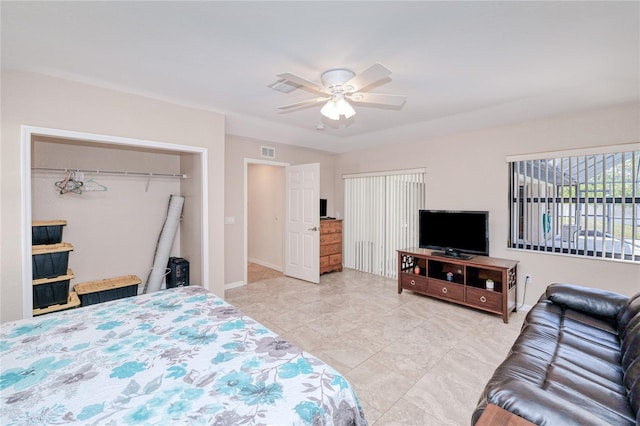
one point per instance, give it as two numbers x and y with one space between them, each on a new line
112 172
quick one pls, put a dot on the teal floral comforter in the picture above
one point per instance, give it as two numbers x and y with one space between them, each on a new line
179 356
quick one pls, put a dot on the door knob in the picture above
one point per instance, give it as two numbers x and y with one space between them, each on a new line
315 228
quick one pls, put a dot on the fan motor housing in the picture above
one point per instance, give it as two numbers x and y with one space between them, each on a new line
336 78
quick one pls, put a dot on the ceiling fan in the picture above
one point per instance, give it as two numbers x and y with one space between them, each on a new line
341 86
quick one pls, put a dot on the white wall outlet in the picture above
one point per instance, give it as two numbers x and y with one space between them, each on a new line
528 279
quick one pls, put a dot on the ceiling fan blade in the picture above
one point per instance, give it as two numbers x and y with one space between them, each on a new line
372 74
378 99
304 82
302 104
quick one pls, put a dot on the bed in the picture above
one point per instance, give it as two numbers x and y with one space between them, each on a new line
177 356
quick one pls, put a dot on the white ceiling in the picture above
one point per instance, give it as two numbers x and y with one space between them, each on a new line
463 65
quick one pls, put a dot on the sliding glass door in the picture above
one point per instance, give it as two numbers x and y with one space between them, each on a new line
381 216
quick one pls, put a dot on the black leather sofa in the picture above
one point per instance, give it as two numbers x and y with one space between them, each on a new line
575 362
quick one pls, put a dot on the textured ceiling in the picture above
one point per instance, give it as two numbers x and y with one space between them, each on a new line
462 65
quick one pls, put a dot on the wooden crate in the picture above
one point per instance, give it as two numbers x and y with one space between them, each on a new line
99 291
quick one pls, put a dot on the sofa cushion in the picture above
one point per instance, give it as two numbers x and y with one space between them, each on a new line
614 382
603 405
601 328
528 368
595 365
591 348
589 300
595 333
544 313
544 407
538 341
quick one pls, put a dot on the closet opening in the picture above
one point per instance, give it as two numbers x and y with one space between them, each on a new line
114 218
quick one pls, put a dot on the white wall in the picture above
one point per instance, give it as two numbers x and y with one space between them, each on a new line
468 171
265 215
236 150
36 100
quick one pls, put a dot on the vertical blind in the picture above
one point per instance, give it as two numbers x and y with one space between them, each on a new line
381 216
586 205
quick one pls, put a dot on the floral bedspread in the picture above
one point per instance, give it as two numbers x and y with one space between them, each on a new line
178 356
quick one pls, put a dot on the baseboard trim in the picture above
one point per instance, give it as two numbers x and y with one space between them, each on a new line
236 284
525 308
265 264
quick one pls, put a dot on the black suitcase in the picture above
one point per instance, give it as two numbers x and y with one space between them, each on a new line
178 272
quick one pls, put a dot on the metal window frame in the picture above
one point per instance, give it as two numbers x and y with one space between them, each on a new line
582 187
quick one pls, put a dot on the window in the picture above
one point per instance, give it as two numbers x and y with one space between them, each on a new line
585 204
380 217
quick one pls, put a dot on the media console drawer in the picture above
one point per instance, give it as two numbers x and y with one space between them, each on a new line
414 282
484 299
446 290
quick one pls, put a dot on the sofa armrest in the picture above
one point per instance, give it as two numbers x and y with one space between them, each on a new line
592 301
539 406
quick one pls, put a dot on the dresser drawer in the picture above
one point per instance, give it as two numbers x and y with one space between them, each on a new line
330 227
446 290
484 299
330 238
414 282
330 249
335 259
324 261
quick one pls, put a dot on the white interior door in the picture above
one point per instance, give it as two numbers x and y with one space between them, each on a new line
302 227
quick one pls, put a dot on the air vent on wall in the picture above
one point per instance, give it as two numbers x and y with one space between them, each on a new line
267 152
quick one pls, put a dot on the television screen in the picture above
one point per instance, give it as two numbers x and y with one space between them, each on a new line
323 207
455 231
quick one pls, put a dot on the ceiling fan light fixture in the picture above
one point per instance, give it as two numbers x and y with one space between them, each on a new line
345 108
337 106
330 111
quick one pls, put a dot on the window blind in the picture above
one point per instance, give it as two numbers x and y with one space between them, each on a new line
381 216
585 205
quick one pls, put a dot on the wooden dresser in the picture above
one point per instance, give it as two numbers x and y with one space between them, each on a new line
330 245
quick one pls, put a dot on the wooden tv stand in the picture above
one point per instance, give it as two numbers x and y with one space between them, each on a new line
465 284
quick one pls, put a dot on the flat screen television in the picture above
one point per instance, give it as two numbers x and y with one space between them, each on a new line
323 207
455 233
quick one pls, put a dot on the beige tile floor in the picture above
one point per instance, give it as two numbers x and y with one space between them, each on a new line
412 360
257 272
